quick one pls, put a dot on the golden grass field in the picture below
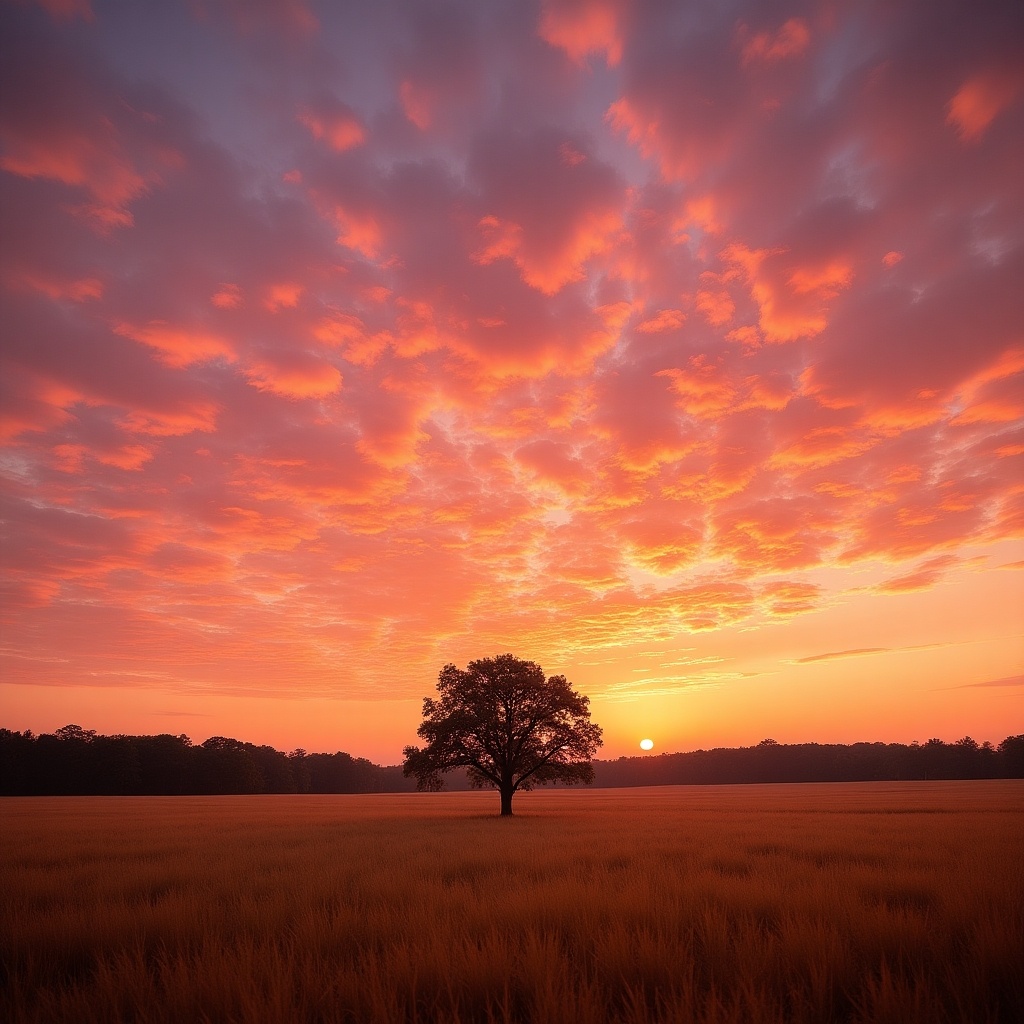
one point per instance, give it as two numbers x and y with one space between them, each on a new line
896 902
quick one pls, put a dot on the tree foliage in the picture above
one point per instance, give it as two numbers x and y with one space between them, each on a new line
507 725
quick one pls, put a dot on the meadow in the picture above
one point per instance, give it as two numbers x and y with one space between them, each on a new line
896 902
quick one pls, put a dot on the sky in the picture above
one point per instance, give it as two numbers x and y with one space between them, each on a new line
676 347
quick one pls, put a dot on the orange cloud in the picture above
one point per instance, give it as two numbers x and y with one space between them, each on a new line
418 329
555 463
200 416
502 239
716 306
178 346
980 100
349 333
663 320
77 290
748 336
822 446
825 282
129 456
335 124
1009 363
227 296
703 390
775 534
582 27
295 377
788 41
706 213
73 158
358 231
285 295
643 132
785 599
924 576
70 458
793 301
418 102
551 267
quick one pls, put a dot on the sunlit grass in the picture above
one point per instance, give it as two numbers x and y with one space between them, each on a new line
901 902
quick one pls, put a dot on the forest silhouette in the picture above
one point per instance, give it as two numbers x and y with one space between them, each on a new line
74 761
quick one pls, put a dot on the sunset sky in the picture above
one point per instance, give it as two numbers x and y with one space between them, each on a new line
676 347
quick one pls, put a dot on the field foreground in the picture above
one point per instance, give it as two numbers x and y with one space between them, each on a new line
894 902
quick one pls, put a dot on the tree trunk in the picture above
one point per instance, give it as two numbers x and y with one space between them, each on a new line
506 801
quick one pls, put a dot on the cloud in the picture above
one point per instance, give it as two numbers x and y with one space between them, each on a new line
981 99
1005 681
572 327
789 41
295 377
178 346
546 213
334 123
582 27
856 652
663 320
923 577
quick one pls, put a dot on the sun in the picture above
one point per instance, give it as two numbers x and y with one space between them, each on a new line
647 744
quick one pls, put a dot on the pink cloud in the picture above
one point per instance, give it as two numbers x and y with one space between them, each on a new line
546 214
582 27
980 100
790 40
227 296
335 123
63 124
294 376
663 320
555 463
284 295
792 300
178 346
439 73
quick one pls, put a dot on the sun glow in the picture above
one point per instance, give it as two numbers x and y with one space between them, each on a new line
647 744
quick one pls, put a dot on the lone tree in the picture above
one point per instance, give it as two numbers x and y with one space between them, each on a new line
512 728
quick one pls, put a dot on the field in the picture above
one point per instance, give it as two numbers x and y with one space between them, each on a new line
896 902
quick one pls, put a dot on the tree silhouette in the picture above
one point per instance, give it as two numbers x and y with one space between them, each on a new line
508 725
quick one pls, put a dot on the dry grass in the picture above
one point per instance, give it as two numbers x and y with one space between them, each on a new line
883 902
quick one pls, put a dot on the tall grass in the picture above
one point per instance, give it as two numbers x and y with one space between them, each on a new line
847 902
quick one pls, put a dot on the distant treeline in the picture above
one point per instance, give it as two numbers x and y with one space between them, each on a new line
820 762
74 761
78 762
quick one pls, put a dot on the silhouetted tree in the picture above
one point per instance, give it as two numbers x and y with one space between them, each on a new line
227 766
167 764
507 725
1012 753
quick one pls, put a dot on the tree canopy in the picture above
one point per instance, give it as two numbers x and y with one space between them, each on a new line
508 725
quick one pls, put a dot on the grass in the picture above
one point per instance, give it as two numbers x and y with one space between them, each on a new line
810 903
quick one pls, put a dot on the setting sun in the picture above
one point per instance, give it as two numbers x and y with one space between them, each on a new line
647 744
